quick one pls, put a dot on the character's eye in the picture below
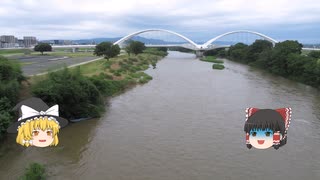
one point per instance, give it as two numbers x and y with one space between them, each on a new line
35 133
268 134
49 133
254 134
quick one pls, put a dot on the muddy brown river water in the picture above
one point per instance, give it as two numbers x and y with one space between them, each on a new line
187 123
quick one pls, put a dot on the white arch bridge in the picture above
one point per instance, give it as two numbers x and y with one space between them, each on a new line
189 43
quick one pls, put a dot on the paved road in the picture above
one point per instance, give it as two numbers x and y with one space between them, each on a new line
33 65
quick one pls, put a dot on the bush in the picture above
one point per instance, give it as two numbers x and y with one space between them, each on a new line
108 87
10 90
132 59
211 59
144 78
6 115
10 70
10 79
107 64
314 54
76 95
117 73
217 66
35 171
156 51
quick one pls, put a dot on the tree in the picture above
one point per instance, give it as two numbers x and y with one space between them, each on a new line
164 49
256 48
128 49
314 54
289 46
107 49
76 95
296 64
135 47
280 56
42 47
238 52
220 52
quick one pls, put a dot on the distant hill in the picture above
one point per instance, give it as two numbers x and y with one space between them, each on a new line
95 40
99 40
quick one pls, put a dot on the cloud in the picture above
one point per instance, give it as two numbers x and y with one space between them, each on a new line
202 19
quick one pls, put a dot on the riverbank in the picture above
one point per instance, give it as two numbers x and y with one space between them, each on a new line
217 64
284 59
104 78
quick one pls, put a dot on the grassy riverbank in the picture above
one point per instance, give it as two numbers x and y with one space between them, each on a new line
211 59
80 91
82 52
217 64
91 83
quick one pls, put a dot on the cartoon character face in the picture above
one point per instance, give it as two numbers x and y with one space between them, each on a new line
261 138
42 138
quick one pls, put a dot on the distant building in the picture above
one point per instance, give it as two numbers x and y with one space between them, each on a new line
21 42
7 41
29 41
57 42
67 42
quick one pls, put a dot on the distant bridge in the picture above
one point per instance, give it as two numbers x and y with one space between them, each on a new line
189 44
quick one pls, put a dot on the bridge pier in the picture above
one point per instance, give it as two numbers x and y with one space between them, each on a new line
75 49
199 53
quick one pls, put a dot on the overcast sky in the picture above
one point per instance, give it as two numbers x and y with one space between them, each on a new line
199 20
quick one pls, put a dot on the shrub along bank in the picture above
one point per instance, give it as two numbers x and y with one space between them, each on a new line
10 80
218 64
211 59
81 91
284 59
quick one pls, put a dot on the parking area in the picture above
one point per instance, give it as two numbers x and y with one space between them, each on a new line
32 65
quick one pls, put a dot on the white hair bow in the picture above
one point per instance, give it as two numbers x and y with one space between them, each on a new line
27 141
27 112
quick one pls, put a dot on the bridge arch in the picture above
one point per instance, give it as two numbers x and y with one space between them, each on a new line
196 46
273 41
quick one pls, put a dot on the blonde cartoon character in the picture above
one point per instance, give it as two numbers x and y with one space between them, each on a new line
38 125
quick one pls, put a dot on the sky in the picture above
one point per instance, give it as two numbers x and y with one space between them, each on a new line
199 20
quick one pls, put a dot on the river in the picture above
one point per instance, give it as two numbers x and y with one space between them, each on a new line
187 123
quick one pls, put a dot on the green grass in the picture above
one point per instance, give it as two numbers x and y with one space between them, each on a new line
11 51
118 68
211 59
58 52
62 53
218 66
121 66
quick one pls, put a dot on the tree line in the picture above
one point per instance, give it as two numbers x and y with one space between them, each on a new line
106 49
284 58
